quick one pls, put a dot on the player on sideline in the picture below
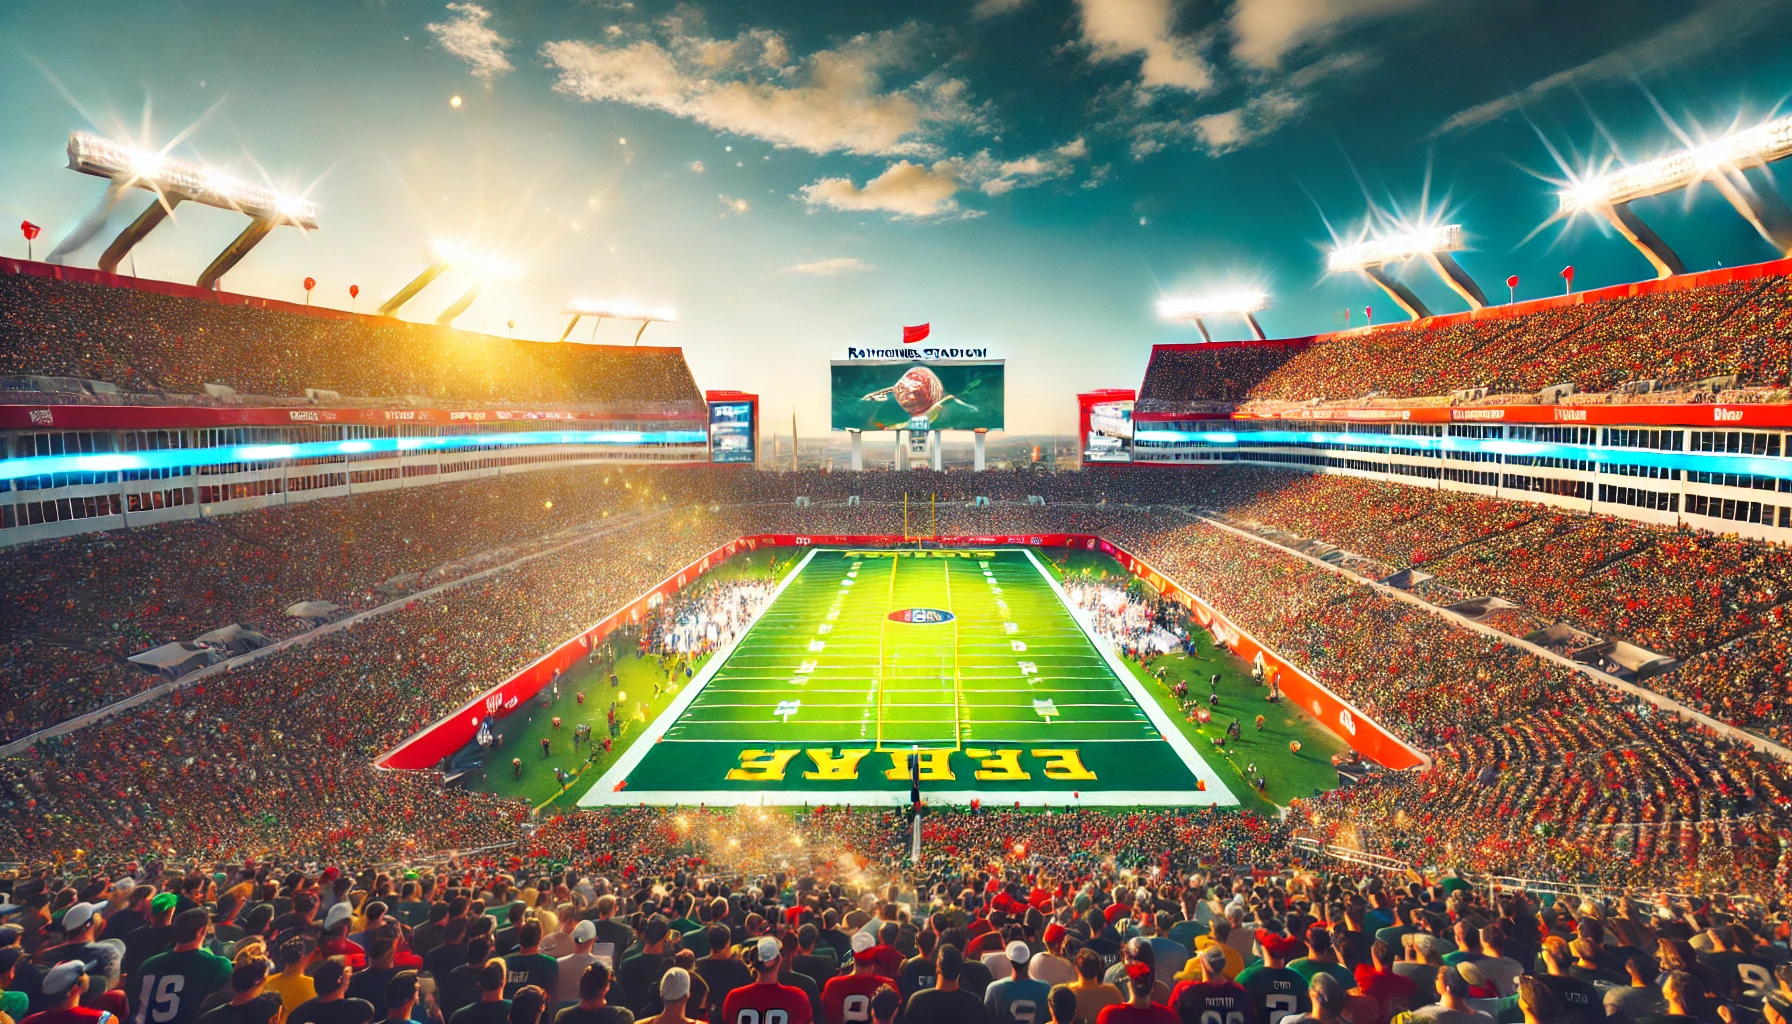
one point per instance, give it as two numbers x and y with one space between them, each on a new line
765 1001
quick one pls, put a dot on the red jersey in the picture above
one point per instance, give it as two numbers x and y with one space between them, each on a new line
889 960
766 1004
847 998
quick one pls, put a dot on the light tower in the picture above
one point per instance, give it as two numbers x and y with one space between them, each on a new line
176 181
1721 162
475 267
1199 308
1371 256
610 309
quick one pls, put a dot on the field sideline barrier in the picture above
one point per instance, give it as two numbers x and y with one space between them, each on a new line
427 747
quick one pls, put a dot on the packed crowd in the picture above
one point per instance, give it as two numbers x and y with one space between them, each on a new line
283 747
143 341
1675 337
1536 769
74 609
1717 602
1181 376
706 617
1136 626
643 915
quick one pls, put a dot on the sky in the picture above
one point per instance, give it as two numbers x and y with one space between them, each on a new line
1028 176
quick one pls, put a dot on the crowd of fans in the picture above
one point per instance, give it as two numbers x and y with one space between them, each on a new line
1077 918
74 609
1535 769
1715 601
1677 338
706 617
149 342
1182 376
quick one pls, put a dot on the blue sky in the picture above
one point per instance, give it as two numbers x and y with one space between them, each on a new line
1028 175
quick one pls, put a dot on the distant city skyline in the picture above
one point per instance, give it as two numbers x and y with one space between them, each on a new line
1028 176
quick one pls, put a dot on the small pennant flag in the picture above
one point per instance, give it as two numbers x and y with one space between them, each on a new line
910 335
1512 282
29 230
1568 274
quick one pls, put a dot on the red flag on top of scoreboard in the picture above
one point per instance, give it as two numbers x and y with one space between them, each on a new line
910 335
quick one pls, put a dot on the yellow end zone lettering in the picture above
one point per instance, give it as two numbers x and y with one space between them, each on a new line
1059 764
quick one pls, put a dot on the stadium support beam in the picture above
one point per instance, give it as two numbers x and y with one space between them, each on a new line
858 450
1766 212
392 305
1256 328
1201 325
979 436
234 252
147 221
1402 295
901 449
459 306
1457 278
1666 262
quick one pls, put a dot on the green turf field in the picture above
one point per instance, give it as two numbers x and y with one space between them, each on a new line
1008 699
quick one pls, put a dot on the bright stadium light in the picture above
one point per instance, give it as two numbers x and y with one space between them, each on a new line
1190 308
190 182
477 265
615 309
1431 244
1199 308
1750 147
177 181
1720 161
1395 248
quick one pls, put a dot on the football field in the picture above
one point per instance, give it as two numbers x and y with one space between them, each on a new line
970 660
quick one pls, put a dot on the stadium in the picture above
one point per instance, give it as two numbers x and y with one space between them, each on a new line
1410 672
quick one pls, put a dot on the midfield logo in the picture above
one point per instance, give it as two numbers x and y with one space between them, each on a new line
922 616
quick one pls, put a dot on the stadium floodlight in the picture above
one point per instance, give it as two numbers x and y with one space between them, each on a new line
176 181
1431 244
477 267
615 309
1199 308
1720 161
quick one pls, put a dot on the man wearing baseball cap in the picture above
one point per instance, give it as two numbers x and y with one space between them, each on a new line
1052 966
1017 999
675 994
848 997
1192 1000
81 925
753 1003
63 987
572 965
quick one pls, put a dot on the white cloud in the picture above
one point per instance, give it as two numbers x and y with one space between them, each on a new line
994 8
467 36
696 167
833 100
905 189
830 267
1265 32
731 204
1121 29
1711 24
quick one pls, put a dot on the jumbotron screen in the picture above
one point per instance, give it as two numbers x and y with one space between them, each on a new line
914 395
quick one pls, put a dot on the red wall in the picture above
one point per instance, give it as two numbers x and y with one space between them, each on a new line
427 748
